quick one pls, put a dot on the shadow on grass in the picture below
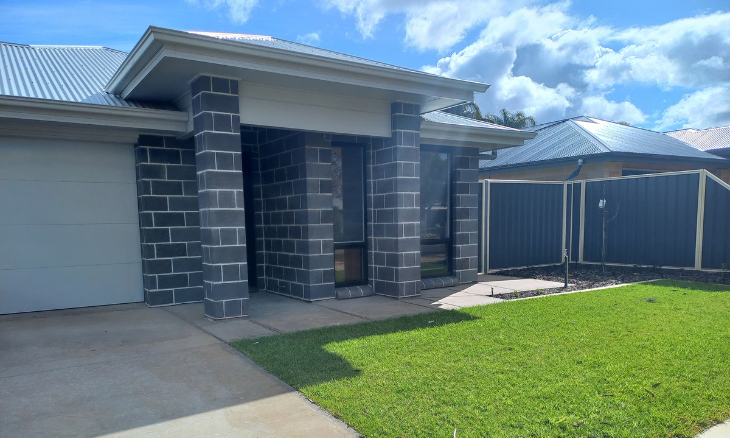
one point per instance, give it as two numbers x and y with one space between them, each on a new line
300 358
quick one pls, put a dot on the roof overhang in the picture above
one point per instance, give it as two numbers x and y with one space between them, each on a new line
483 138
108 117
164 62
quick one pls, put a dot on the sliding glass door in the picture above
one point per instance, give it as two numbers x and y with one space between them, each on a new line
435 213
348 201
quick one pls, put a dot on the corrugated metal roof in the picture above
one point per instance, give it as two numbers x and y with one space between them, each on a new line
453 119
585 136
704 139
65 73
268 41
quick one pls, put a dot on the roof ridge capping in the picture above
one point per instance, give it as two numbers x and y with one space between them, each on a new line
253 37
221 35
698 130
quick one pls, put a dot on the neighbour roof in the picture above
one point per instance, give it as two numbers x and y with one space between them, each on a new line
582 137
65 73
704 139
453 119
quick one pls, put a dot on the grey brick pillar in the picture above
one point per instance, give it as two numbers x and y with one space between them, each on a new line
168 220
465 202
396 226
220 196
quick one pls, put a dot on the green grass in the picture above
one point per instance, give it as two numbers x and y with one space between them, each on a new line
576 365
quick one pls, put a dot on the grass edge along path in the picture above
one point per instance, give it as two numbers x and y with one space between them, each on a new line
646 360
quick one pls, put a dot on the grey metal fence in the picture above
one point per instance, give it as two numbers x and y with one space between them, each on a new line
677 219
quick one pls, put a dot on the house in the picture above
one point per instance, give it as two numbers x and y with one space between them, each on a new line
204 165
713 140
606 149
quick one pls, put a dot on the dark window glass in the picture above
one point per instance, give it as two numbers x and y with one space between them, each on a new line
348 202
349 266
435 176
348 194
434 260
435 214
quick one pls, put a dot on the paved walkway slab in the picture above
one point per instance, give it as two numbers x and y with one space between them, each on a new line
374 307
522 284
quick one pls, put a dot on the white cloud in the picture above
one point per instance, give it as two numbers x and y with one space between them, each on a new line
429 24
599 106
310 39
552 65
690 52
707 108
239 10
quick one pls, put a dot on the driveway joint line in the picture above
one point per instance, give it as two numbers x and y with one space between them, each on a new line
268 327
346 313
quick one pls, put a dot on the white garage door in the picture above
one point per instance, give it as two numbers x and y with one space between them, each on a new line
69 233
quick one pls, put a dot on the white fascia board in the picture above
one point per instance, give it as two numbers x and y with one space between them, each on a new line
254 57
149 120
65 131
483 138
141 53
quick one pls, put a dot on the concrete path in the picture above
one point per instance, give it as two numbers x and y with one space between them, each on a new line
721 430
272 314
132 371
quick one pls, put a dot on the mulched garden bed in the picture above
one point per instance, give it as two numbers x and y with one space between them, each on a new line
592 276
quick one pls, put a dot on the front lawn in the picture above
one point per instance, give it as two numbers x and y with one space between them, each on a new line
649 360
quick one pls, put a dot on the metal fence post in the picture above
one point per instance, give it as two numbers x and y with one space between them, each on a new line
700 218
565 220
582 232
485 232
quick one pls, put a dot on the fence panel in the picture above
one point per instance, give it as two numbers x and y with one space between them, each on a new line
572 223
525 224
650 220
716 236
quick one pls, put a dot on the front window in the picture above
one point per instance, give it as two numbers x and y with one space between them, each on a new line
435 214
348 202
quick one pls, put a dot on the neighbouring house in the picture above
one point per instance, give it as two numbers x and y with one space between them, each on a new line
713 140
606 149
204 165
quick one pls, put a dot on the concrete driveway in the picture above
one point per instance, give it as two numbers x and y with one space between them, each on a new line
132 371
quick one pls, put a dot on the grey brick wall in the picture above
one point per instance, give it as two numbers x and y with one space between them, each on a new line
394 175
465 210
220 195
169 222
296 218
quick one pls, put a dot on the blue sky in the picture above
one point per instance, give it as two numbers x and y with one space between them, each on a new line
656 64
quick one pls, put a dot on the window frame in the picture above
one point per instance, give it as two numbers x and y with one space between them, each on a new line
363 246
450 213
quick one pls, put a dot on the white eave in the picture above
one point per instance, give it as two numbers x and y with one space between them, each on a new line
124 118
180 56
485 138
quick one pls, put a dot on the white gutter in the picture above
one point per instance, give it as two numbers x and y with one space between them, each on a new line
157 43
148 120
